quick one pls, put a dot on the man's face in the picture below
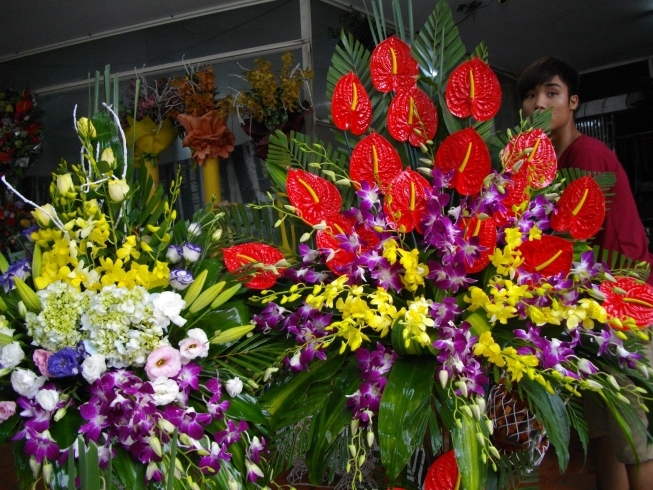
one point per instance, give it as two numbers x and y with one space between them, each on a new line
555 94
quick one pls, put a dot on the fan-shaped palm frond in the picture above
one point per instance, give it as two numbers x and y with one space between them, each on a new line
438 49
300 151
241 223
620 265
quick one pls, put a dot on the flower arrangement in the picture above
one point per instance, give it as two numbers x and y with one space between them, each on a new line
112 332
149 129
205 126
270 98
20 128
272 102
432 293
15 223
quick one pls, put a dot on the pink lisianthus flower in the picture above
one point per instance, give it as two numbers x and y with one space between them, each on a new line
195 345
163 362
41 357
7 409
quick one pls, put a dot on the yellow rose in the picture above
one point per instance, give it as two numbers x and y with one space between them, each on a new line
85 128
108 156
65 184
42 214
118 190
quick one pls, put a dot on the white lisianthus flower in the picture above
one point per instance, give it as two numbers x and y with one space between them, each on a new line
11 355
174 254
118 189
167 306
165 390
48 399
199 334
234 387
191 252
93 367
194 229
191 347
26 383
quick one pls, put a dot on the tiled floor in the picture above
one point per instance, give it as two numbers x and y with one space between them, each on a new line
576 477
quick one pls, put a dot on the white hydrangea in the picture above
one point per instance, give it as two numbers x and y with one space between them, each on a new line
57 326
121 326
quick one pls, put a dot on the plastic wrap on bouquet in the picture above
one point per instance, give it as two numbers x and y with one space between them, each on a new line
149 140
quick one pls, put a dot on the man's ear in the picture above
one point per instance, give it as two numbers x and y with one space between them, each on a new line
573 102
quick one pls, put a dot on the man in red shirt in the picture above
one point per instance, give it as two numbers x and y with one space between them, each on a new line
550 82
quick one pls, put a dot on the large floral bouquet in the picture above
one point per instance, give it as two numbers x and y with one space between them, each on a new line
114 331
441 296
16 222
20 128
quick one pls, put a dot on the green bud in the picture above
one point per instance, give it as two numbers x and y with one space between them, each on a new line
28 296
195 289
207 297
231 334
224 296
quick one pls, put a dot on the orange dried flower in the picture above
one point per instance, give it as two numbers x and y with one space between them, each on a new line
207 136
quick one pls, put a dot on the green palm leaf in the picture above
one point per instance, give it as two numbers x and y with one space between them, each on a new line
300 151
438 49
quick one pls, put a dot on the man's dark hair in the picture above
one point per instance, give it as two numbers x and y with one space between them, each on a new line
544 70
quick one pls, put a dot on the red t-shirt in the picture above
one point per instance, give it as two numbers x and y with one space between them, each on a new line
622 229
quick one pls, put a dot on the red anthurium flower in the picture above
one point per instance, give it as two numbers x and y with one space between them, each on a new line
628 298
250 253
443 473
533 153
486 231
393 67
517 192
313 197
412 116
25 104
550 255
473 89
466 154
336 225
580 210
350 105
374 160
407 199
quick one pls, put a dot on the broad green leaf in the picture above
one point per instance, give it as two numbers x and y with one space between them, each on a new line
8 427
289 388
404 411
550 410
473 471
332 419
66 430
130 472
235 314
246 407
